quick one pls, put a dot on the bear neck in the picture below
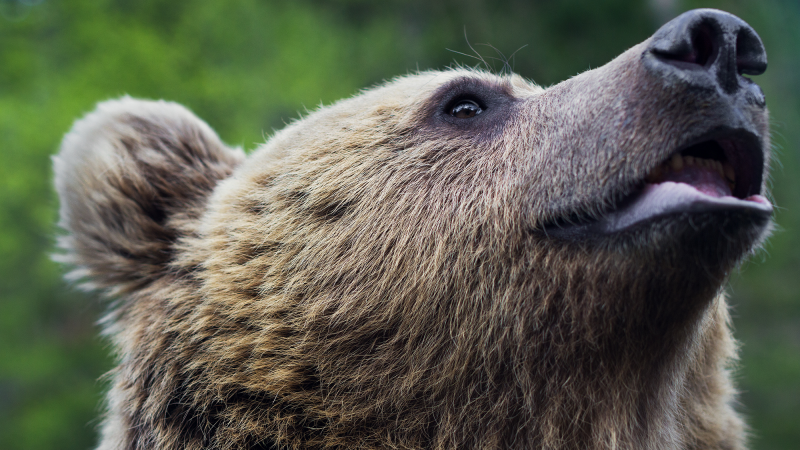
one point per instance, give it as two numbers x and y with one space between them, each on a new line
510 355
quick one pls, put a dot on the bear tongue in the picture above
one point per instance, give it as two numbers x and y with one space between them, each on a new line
703 179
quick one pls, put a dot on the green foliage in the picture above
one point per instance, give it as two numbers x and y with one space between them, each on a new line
248 67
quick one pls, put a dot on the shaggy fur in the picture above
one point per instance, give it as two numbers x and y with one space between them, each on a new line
379 275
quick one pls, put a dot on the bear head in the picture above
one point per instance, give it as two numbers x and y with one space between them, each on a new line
452 259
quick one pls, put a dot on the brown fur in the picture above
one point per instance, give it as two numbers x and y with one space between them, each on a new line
375 277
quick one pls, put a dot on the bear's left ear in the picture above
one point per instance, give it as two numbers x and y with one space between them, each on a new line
132 176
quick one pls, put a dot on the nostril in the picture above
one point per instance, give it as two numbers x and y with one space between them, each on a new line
702 44
751 59
695 45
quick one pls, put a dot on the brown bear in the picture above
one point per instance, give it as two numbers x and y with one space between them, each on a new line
454 259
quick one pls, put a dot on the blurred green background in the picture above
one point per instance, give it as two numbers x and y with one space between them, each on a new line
247 67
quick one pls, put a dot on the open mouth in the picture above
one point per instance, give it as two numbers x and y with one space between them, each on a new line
720 172
724 167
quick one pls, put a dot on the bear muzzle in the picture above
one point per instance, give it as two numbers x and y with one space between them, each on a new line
707 150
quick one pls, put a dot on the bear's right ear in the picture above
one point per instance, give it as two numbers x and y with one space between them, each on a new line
133 176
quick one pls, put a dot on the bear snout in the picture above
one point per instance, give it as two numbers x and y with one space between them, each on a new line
678 93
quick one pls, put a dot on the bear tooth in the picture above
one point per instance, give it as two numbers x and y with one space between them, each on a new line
654 176
730 174
689 160
676 163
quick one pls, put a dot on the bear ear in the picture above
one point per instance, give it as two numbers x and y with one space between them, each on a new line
133 176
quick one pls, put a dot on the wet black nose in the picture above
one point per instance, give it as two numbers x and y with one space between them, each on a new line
708 46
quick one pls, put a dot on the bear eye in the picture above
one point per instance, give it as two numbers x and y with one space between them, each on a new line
465 109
